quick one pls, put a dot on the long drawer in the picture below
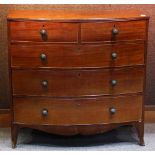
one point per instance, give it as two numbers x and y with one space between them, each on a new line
43 31
74 56
113 31
74 83
37 110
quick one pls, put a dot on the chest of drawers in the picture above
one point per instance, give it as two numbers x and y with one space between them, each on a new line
77 72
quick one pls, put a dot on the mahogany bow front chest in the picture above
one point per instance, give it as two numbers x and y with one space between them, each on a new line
77 72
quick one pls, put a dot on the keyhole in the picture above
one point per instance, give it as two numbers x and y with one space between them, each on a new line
78 49
78 104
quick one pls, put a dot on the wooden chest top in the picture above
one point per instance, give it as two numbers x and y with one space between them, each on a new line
81 15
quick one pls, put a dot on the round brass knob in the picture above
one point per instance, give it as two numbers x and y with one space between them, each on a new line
44 112
115 31
44 83
44 35
112 110
43 56
114 55
43 32
113 82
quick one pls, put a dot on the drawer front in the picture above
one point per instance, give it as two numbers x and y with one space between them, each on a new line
43 31
36 110
68 83
113 31
73 56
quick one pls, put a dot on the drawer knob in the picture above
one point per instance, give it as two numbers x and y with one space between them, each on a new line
112 110
44 112
44 83
115 31
43 57
113 82
114 55
43 34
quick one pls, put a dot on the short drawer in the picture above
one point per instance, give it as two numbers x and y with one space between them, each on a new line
43 31
113 31
73 83
41 111
73 56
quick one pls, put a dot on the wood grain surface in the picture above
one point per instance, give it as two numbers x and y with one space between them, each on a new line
75 15
75 83
75 56
97 32
85 111
56 32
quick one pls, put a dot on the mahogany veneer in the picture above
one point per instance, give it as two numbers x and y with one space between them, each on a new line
26 56
76 83
77 111
96 32
77 72
57 32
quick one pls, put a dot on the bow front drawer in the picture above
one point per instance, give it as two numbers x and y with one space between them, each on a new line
39 111
113 31
75 83
43 31
74 56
